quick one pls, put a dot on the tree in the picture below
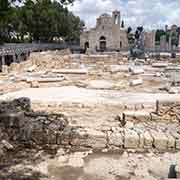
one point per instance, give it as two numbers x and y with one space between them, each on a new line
159 33
41 20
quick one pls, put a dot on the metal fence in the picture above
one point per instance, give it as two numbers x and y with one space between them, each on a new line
10 49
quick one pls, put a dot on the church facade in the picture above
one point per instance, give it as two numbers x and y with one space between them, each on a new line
109 34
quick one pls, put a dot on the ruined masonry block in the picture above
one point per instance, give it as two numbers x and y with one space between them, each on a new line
137 115
160 140
141 139
177 139
131 139
171 141
89 138
78 137
116 139
148 140
177 170
66 136
96 139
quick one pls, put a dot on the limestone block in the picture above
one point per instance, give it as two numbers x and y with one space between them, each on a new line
131 139
4 69
14 67
66 136
135 82
174 90
70 71
89 138
136 71
78 137
32 68
118 68
171 141
148 140
96 139
177 139
116 139
100 84
140 133
160 140
34 84
137 115
53 79
141 140
7 145
177 170
160 65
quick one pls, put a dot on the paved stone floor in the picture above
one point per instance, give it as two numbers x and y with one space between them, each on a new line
72 94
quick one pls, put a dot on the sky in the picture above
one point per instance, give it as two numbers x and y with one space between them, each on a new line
151 14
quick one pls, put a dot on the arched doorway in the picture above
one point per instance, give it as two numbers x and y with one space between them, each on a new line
86 45
102 43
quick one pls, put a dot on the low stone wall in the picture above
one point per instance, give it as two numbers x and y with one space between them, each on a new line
121 138
18 123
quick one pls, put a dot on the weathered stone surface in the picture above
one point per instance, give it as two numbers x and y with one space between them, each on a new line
34 84
116 139
118 68
160 65
135 70
136 115
100 84
141 140
66 136
12 120
4 69
131 139
177 170
70 71
7 145
171 141
32 68
174 90
135 82
177 139
148 140
89 138
96 139
160 140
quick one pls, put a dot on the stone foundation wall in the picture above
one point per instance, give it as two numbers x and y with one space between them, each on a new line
18 123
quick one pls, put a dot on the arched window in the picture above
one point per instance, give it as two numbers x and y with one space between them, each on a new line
102 43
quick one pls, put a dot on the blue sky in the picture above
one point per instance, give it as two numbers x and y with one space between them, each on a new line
151 14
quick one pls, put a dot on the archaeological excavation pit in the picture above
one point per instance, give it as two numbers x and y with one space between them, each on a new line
74 116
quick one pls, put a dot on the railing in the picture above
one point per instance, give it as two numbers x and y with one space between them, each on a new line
10 49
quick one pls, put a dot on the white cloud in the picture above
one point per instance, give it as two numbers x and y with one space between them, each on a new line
150 14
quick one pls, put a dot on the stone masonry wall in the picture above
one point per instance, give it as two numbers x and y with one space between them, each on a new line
18 123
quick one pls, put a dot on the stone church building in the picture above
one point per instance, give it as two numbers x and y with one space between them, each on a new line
109 35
